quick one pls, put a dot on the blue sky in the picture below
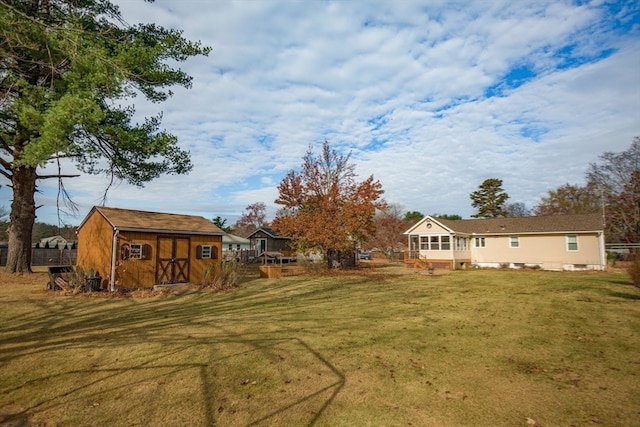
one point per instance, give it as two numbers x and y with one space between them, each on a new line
431 97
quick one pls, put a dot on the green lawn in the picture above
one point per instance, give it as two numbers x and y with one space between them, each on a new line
473 348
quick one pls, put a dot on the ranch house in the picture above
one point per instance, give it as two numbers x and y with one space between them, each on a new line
562 242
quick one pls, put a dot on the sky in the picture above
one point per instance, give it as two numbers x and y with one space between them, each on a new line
430 97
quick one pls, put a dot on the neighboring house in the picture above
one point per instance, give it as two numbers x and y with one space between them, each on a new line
137 249
266 240
231 242
236 247
562 242
55 242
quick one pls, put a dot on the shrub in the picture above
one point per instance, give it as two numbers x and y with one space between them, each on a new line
221 276
634 271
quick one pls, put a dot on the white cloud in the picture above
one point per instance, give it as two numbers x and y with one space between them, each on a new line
402 84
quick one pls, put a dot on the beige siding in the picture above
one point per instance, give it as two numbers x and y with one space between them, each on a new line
547 251
542 241
424 228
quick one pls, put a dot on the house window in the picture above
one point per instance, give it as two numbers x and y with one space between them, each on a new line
445 243
424 243
435 243
230 246
479 242
572 243
514 242
238 247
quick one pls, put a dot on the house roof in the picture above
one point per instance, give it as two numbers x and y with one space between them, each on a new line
232 238
134 220
52 239
270 232
529 224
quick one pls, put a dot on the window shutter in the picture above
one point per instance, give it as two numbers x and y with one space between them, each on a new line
199 252
124 252
146 251
214 252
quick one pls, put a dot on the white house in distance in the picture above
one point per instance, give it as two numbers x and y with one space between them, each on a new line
54 242
231 242
560 242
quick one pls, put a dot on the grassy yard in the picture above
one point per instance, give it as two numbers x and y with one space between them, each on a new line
473 348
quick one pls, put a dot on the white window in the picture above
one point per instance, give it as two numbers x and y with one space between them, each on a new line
514 242
230 246
135 251
424 243
435 243
445 243
572 243
206 251
479 242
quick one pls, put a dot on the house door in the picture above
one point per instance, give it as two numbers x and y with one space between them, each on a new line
173 260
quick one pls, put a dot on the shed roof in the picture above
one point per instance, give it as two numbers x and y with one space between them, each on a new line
273 234
529 224
134 220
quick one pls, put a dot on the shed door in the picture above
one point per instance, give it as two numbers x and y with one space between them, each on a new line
261 245
173 260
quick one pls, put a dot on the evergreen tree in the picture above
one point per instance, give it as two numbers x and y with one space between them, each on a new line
489 199
65 67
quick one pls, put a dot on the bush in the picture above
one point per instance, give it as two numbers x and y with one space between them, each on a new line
634 271
221 276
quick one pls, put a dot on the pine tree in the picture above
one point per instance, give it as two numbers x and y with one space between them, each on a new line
489 199
65 67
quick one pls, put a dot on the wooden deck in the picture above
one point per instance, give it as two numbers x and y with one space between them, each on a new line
412 259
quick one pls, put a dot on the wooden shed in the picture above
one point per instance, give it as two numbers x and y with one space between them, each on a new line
133 249
267 240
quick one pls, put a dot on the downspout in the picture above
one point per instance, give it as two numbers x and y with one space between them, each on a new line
453 251
114 253
602 251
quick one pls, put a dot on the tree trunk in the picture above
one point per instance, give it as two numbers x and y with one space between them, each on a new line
339 258
23 216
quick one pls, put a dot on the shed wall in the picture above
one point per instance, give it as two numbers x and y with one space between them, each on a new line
94 247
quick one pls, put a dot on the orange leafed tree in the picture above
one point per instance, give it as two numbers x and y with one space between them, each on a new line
324 208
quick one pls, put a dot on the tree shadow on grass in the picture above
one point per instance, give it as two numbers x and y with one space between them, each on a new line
177 330
625 295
